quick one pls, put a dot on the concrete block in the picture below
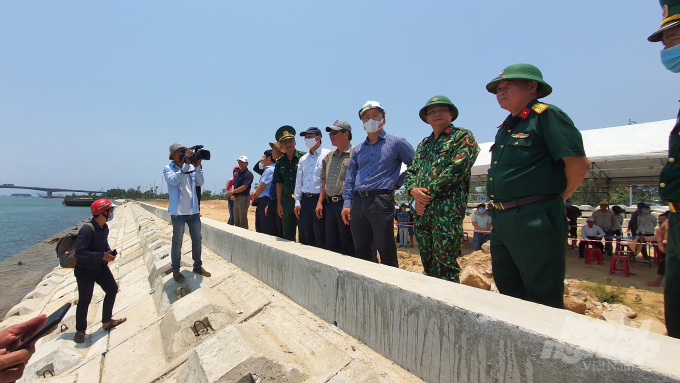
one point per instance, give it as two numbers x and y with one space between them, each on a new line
179 328
64 290
139 359
163 267
168 291
57 356
132 271
249 352
154 256
139 316
25 307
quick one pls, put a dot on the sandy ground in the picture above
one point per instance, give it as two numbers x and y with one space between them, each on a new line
648 305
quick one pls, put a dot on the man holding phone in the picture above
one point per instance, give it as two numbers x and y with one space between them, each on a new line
92 266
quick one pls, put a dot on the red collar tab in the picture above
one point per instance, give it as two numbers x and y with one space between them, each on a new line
447 130
525 113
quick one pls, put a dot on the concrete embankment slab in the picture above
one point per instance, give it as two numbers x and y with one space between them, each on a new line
442 331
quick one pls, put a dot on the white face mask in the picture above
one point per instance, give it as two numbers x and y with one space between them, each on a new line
260 165
372 125
310 142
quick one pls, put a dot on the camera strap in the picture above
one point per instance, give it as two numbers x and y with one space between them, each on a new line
189 172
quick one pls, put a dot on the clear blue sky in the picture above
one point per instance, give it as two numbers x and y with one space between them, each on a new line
93 93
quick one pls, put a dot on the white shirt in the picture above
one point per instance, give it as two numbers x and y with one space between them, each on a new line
186 198
594 231
309 174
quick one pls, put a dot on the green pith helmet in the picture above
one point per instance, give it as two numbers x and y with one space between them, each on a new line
438 100
284 132
671 18
524 72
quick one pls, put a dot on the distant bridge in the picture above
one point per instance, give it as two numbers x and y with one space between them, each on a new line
48 190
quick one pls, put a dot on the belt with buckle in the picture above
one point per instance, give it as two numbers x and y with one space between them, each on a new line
335 198
507 205
369 193
273 198
310 195
674 207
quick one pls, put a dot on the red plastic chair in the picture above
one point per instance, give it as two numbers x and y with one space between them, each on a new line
593 254
466 238
613 269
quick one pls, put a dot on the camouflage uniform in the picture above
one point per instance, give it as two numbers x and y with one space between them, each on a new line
443 167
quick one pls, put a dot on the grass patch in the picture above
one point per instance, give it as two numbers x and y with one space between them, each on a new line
610 294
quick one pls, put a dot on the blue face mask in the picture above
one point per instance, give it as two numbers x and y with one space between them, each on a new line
568 204
671 58
482 211
110 217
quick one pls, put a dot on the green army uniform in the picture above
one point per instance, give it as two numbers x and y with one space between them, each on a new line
528 242
669 190
442 166
285 173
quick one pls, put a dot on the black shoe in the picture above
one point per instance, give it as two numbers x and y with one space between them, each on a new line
178 276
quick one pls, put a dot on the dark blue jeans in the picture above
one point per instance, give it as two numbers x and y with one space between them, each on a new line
231 213
478 240
194 222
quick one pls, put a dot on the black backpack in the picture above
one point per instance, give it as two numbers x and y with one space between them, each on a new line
66 249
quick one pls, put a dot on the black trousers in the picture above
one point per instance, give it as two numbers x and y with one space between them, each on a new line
261 220
313 227
86 279
372 222
573 229
275 222
338 235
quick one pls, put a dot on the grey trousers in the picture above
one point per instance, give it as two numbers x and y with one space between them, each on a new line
241 204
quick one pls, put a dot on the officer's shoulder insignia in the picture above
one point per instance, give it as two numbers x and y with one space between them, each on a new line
447 130
470 141
539 107
520 135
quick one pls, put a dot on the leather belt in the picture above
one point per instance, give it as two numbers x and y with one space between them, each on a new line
369 193
674 207
273 198
310 195
335 198
507 205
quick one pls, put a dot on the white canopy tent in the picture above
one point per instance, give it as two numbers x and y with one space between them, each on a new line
622 155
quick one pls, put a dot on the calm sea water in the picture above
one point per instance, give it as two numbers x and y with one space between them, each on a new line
26 221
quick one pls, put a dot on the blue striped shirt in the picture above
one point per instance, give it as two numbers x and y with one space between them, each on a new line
376 166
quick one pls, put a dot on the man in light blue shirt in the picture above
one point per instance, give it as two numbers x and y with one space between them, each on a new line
261 194
372 176
183 178
481 221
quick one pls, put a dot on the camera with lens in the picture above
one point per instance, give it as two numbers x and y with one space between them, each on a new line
199 154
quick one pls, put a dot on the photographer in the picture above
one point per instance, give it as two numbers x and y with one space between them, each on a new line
92 266
183 178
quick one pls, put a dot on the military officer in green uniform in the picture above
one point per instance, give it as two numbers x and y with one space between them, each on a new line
439 180
285 174
537 161
669 185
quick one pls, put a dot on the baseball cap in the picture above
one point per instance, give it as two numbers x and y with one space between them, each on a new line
243 159
340 125
313 130
173 149
590 219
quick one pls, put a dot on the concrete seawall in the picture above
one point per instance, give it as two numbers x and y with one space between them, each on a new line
441 331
